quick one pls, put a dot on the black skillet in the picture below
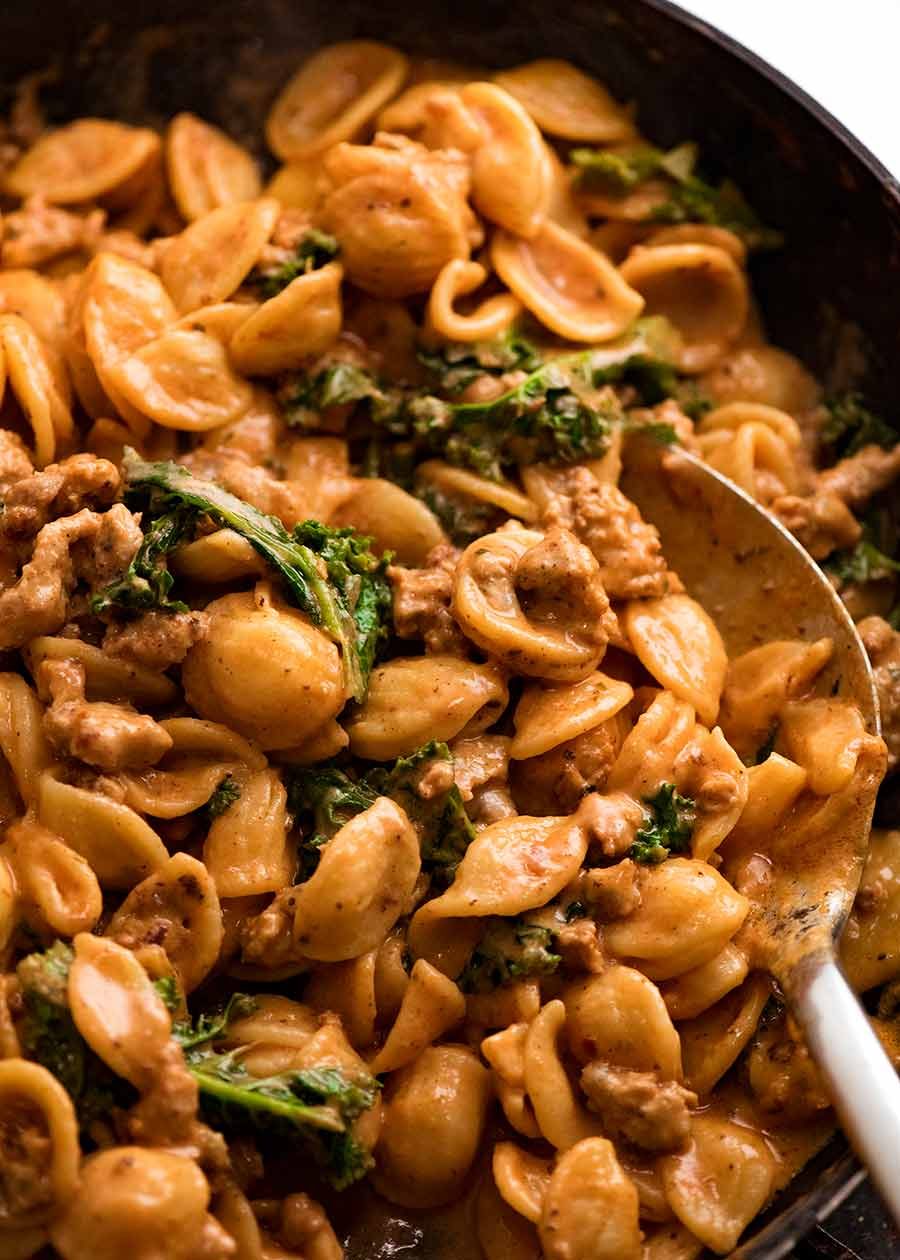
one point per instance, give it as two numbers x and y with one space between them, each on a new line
829 296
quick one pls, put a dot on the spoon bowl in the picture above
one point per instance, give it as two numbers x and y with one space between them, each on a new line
759 585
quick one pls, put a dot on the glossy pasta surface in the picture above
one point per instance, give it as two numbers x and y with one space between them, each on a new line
381 816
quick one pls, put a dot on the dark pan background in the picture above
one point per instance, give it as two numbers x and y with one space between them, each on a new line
829 297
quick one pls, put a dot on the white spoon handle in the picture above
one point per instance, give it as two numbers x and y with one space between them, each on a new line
861 1080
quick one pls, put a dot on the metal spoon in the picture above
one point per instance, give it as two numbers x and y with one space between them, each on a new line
759 584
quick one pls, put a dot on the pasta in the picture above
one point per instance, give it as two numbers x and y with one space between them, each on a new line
375 800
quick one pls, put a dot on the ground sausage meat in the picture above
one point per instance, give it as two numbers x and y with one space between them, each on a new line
638 1106
882 643
821 524
58 490
422 602
856 479
626 547
109 736
156 640
555 781
15 463
38 232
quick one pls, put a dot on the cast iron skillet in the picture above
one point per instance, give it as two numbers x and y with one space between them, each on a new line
829 296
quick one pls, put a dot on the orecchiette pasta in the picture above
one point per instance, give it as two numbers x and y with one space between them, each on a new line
337 667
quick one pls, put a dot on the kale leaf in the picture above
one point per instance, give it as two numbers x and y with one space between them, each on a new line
669 828
689 198
510 949
228 791
314 250
863 563
456 365
349 613
304 396
851 426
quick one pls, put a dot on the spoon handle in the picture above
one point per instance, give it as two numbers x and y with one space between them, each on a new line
861 1080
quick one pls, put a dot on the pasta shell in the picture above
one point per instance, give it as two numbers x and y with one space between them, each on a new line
396 520
349 990
39 302
679 644
301 321
58 890
106 677
183 380
83 161
824 737
502 1233
361 886
870 945
688 914
208 261
413 700
548 716
561 1118
712 1041
511 179
400 221
699 234
246 850
178 906
120 847
521 1178
566 102
700 289
620 1016
732 416
36 1110
116 1008
573 290
433 113
25 365
22 740
333 95
696 991
720 1182
206 168
432 1005
590 1210
763 374
300 185
490 319
434 1118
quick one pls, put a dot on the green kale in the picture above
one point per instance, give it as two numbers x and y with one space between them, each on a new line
457 364
669 827
328 797
851 426
48 1036
361 579
168 989
510 949
48 1033
689 199
213 1025
862 563
228 791
552 415
165 487
316 1106
304 396
146 582
315 250
615 174
439 817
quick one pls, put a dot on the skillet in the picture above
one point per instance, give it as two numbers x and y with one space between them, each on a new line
828 297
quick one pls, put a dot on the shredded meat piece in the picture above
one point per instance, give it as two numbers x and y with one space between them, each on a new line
156 640
555 781
37 232
235 470
856 479
110 736
118 538
300 1225
127 245
26 1150
820 524
268 937
39 602
626 547
882 643
422 602
638 1106
15 463
558 576
611 892
57 490
611 822
579 946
